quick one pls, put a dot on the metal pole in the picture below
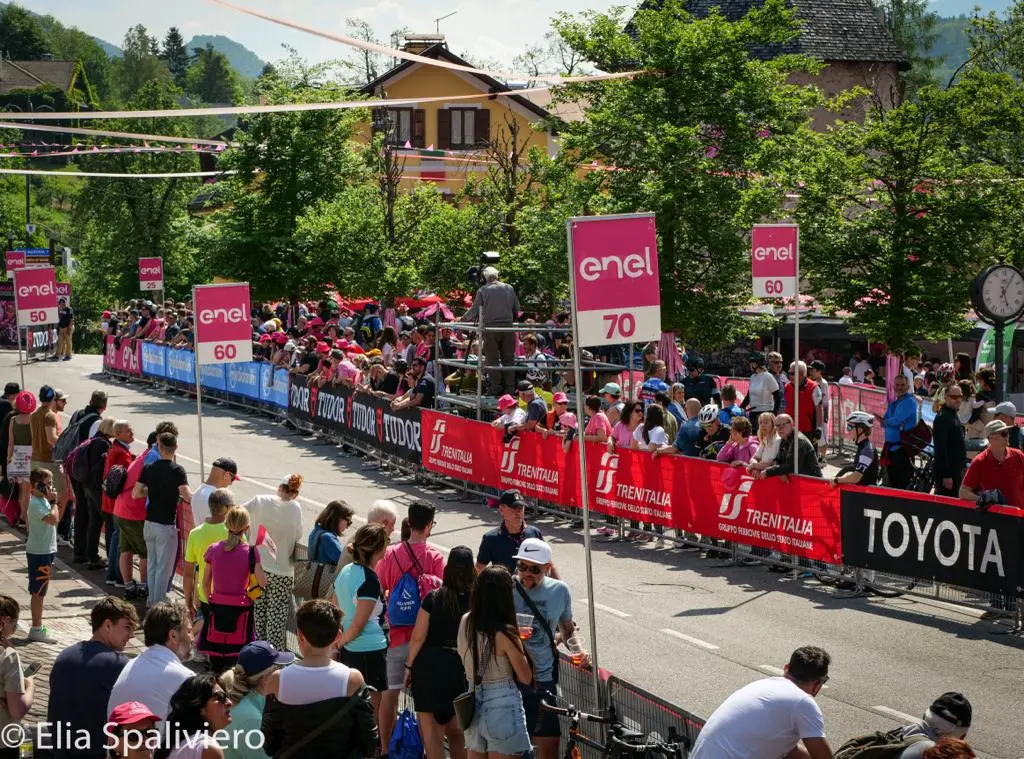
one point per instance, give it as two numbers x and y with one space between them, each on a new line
584 494
629 374
796 373
199 397
1000 329
479 367
28 212
21 358
949 345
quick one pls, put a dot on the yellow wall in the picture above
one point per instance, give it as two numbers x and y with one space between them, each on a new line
425 81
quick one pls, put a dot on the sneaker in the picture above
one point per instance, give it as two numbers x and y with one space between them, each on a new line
606 531
67 358
119 584
97 565
63 541
40 635
112 583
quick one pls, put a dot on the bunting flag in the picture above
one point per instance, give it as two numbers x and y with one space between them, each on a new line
103 174
102 133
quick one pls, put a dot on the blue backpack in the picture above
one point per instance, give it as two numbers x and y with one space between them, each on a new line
406 742
404 600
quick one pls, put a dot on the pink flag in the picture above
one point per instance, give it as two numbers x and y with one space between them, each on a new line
407 145
431 146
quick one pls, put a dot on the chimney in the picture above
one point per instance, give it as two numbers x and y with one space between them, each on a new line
417 43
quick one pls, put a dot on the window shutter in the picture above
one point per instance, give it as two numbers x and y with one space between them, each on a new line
444 129
377 117
419 128
482 126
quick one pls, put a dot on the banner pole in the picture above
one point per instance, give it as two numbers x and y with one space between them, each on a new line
199 395
584 494
796 359
21 359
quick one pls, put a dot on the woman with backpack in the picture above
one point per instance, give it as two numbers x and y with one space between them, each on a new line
433 669
19 440
227 581
119 455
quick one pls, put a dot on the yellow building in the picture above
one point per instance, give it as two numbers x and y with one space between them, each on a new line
447 143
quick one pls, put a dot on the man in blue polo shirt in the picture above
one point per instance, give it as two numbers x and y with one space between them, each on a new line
499 546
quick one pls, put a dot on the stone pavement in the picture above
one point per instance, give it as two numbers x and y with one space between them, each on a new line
65 612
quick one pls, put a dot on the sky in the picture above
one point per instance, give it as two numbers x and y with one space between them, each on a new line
492 31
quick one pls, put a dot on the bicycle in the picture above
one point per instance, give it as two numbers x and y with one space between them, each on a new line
623 743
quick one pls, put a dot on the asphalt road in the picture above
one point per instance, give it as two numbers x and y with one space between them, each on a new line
687 629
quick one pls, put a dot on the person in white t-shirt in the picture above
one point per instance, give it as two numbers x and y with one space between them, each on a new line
763 394
223 473
772 718
847 378
860 369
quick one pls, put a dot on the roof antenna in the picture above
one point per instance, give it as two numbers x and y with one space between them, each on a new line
437 21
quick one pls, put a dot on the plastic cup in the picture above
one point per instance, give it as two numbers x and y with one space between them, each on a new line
525 624
575 648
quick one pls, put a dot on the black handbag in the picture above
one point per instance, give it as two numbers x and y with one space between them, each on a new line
465 703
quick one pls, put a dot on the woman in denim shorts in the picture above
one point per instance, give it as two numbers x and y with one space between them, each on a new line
499 724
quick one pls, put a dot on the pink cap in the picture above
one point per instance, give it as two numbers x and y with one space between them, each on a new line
131 713
323 348
265 338
567 420
731 479
559 398
506 401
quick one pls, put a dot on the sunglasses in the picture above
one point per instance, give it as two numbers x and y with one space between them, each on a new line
220 697
533 569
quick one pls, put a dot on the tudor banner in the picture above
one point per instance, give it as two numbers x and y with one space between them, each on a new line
798 516
931 537
358 415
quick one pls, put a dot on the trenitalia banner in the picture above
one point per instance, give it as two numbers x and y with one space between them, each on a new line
798 516
943 539
362 417
124 357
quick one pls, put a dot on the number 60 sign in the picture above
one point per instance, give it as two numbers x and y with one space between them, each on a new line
616 292
223 323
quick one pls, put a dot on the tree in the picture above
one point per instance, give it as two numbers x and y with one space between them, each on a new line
700 144
210 78
912 26
139 65
21 36
175 55
365 65
287 164
896 219
71 44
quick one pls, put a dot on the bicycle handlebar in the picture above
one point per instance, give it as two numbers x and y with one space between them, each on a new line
572 711
666 749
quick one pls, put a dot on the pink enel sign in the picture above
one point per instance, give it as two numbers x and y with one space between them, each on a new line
35 296
64 290
151 274
615 277
223 325
14 259
774 260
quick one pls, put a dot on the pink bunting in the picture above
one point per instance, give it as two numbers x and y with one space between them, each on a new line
431 146
407 145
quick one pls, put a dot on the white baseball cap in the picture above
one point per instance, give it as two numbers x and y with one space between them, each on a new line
535 551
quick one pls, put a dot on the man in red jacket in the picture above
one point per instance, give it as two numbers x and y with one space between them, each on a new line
119 455
811 411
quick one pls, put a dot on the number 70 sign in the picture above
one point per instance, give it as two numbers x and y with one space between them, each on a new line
614 279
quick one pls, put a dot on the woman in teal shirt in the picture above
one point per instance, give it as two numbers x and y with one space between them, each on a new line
246 686
364 642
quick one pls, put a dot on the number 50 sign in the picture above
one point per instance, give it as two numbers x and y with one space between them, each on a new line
35 296
223 325
615 288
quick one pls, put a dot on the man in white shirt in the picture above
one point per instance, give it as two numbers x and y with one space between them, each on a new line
847 378
223 473
911 362
154 675
772 718
861 368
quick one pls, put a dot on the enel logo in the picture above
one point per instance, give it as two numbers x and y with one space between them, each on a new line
151 270
780 253
224 315
27 291
632 266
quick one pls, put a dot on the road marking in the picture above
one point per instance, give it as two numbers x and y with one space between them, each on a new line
771 670
894 714
690 639
609 609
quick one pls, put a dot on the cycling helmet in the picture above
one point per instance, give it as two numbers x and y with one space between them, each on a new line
757 358
25 402
945 373
862 418
708 415
694 362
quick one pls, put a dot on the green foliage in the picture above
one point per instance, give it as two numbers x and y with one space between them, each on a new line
913 26
241 58
700 143
175 55
71 44
210 78
21 35
139 65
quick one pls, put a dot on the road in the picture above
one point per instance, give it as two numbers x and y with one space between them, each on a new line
688 630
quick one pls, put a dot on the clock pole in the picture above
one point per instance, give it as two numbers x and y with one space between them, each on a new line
1000 327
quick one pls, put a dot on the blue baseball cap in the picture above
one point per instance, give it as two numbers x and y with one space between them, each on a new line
259 655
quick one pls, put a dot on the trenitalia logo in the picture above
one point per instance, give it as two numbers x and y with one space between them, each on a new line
440 425
632 266
732 503
606 473
508 456
237 315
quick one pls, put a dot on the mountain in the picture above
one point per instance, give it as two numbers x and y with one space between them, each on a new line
242 59
953 8
113 51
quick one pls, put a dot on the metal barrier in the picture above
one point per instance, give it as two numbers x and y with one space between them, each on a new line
655 718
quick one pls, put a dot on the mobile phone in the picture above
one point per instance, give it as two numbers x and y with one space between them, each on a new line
41 487
31 668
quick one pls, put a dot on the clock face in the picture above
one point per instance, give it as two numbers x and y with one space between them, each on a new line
1002 292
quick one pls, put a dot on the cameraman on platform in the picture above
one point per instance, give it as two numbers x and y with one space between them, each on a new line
496 304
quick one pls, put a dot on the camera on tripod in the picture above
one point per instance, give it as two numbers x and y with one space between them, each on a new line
475 274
